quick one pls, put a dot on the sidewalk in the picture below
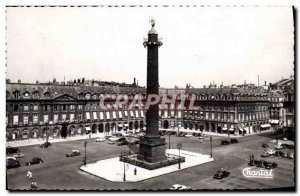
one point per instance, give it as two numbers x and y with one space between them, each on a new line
216 134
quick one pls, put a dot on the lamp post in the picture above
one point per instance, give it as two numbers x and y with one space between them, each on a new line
84 160
123 154
179 146
211 147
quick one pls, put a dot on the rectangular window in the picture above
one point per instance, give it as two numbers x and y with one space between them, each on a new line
137 113
120 114
114 115
131 114
87 116
16 108
101 116
16 120
35 107
206 115
72 117
64 107
35 118
45 107
95 115
79 116
25 119
72 107
142 113
55 118
26 108
80 107
212 116
64 117
225 117
126 113
107 115
46 118
179 114
55 108
166 114
159 113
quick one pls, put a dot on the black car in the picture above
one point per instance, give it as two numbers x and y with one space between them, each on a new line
251 163
221 174
259 164
224 142
73 153
289 146
12 163
35 160
270 165
12 150
277 153
45 145
233 141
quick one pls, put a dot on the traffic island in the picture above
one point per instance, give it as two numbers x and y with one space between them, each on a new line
115 170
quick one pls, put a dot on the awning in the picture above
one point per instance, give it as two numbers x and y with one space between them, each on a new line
274 121
224 128
87 128
265 126
231 129
125 125
120 125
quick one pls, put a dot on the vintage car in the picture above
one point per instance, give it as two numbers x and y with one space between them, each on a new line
270 165
45 145
224 142
73 153
100 139
12 163
179 187
12 150
221 174
18 155
35 160
233 141
265 154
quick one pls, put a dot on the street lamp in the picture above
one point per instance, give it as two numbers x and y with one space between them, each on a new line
179 146
211 147
123 154
84 160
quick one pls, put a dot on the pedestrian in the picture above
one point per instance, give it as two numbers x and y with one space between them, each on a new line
29 175
135 171
33 185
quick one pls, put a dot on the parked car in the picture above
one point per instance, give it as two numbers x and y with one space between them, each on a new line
114 138
284 155
265 154
265 145
188 135
12 150
12 163
270 165
233 141
259 164
112 142
107 137
277 153
121 143
271 151
179 187
18 155
11 158
35 160
291 155
100 139
289 146
73 153
46 145
224 142
221 174
172 132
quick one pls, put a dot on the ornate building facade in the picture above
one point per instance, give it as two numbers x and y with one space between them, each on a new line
34 110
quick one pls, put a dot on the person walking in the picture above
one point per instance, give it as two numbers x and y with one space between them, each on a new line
135 171
29 175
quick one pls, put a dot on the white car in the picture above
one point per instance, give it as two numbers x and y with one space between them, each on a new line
100 139
271 151
126 134
179 187
113 138
278 147
18 155
7 158
188 135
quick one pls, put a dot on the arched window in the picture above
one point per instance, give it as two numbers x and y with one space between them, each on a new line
88 96
36 94
47 94
26 94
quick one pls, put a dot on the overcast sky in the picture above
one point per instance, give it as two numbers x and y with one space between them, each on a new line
200 45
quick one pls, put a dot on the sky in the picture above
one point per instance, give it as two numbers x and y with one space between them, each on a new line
201 45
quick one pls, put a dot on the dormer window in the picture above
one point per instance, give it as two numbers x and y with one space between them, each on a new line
16 94
35 94
26 94
47 94
7 94
94 96
88 96
80 95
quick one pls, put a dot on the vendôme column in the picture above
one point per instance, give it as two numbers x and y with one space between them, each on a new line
152 147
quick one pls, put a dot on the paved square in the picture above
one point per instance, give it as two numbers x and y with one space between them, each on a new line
113 170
